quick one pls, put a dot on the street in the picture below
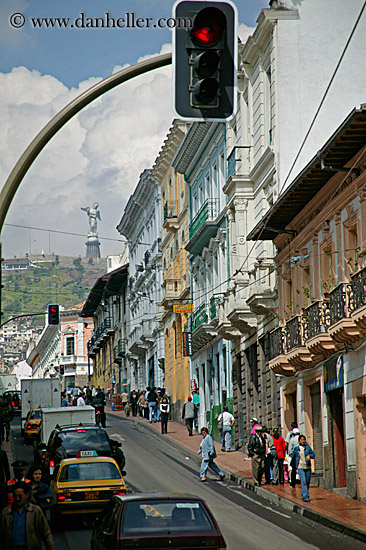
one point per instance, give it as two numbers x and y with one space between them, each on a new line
153 464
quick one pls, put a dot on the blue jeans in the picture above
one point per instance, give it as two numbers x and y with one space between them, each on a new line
226 437
152 410
305 482
205 464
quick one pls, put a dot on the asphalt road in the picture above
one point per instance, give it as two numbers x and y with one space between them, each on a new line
247 522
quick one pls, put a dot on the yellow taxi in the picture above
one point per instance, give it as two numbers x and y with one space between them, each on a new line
83 485
32 424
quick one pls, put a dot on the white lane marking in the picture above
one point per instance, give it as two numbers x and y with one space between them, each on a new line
118 437
260 504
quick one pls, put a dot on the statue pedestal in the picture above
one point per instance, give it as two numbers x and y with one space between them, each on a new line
92 247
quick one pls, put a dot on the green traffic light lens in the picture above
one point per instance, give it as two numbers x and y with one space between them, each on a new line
207 63
209 25
205 91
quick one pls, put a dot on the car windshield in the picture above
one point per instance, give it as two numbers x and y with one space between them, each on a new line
87 471
84 440
35 415
163 516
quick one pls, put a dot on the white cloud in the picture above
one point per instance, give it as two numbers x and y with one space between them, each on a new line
244 32
98 155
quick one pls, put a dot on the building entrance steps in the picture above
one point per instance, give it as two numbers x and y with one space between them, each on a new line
326 507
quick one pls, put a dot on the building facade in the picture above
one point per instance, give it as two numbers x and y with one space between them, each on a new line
141 225
318 349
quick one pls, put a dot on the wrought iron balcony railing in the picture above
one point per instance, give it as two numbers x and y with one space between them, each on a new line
208 212
357 294
338 299
293 333
316 319
199 316
276 342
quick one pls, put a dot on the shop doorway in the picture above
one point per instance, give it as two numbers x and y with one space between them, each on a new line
336 422
316 416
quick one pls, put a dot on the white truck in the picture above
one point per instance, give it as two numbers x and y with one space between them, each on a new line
8 382
37 393
62 416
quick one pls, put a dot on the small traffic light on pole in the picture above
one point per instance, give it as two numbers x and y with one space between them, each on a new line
204 60
62 370
53 314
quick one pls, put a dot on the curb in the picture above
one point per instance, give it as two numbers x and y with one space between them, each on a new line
268 495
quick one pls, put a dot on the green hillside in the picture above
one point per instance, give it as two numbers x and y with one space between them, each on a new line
32 290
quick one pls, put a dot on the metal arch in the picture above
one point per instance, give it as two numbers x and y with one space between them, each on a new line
58 121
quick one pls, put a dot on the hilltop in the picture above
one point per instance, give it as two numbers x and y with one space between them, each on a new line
45 279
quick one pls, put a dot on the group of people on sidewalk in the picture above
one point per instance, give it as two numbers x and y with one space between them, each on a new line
268 454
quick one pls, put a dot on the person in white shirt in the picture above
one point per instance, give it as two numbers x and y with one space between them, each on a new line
228 422
80 402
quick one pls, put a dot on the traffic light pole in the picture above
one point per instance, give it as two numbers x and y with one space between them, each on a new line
59 120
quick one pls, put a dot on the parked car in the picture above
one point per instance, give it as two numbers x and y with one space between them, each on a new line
83 485
157 520
14 399
67 441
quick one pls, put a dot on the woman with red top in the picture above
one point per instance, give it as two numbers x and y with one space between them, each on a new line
280 445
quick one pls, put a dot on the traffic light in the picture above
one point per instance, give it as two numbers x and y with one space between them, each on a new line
204 59
62 370
53 314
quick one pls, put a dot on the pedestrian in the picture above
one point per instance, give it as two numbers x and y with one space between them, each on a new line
63 400
257 452
280 445
188 415
8 415
255 423
118 455
152 400
228 422
208 454
294 441
23 525
133 401
4 478
196 403
19 469
142 405
164 415
290 433
302 455
124 398
80 401
270 462
40 492
60 452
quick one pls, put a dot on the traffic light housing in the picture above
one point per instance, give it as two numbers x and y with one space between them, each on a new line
53 314
204 60
62 370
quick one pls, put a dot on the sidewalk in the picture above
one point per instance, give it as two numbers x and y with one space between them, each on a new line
326 507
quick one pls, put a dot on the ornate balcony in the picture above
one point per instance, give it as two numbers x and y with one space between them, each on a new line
214 307
316 323
171 290
202 331
203 226
342 329
278 361
297 353
357 303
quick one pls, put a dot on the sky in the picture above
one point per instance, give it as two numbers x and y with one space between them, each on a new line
99 154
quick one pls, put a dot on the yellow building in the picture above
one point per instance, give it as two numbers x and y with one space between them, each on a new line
175 288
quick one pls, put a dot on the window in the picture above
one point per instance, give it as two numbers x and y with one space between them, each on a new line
70 345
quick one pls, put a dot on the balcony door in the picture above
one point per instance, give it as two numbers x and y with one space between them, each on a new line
316 414
335 401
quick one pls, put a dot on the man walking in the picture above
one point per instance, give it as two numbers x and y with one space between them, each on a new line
257 452
152 401
294 441
271 462
228 422
23 525
196 403
280 445
208 453
188 415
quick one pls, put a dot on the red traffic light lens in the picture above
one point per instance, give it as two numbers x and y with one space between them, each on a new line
209 25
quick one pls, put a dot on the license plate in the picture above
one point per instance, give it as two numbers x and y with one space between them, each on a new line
92 496
86 453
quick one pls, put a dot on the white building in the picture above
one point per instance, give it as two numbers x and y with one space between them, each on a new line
141 225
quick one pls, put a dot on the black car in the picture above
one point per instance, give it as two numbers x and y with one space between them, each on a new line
157 521
68 441
13 397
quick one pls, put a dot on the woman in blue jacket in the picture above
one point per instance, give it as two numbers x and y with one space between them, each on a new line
302 454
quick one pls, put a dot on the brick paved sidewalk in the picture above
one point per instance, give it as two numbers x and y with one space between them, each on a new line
326 507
